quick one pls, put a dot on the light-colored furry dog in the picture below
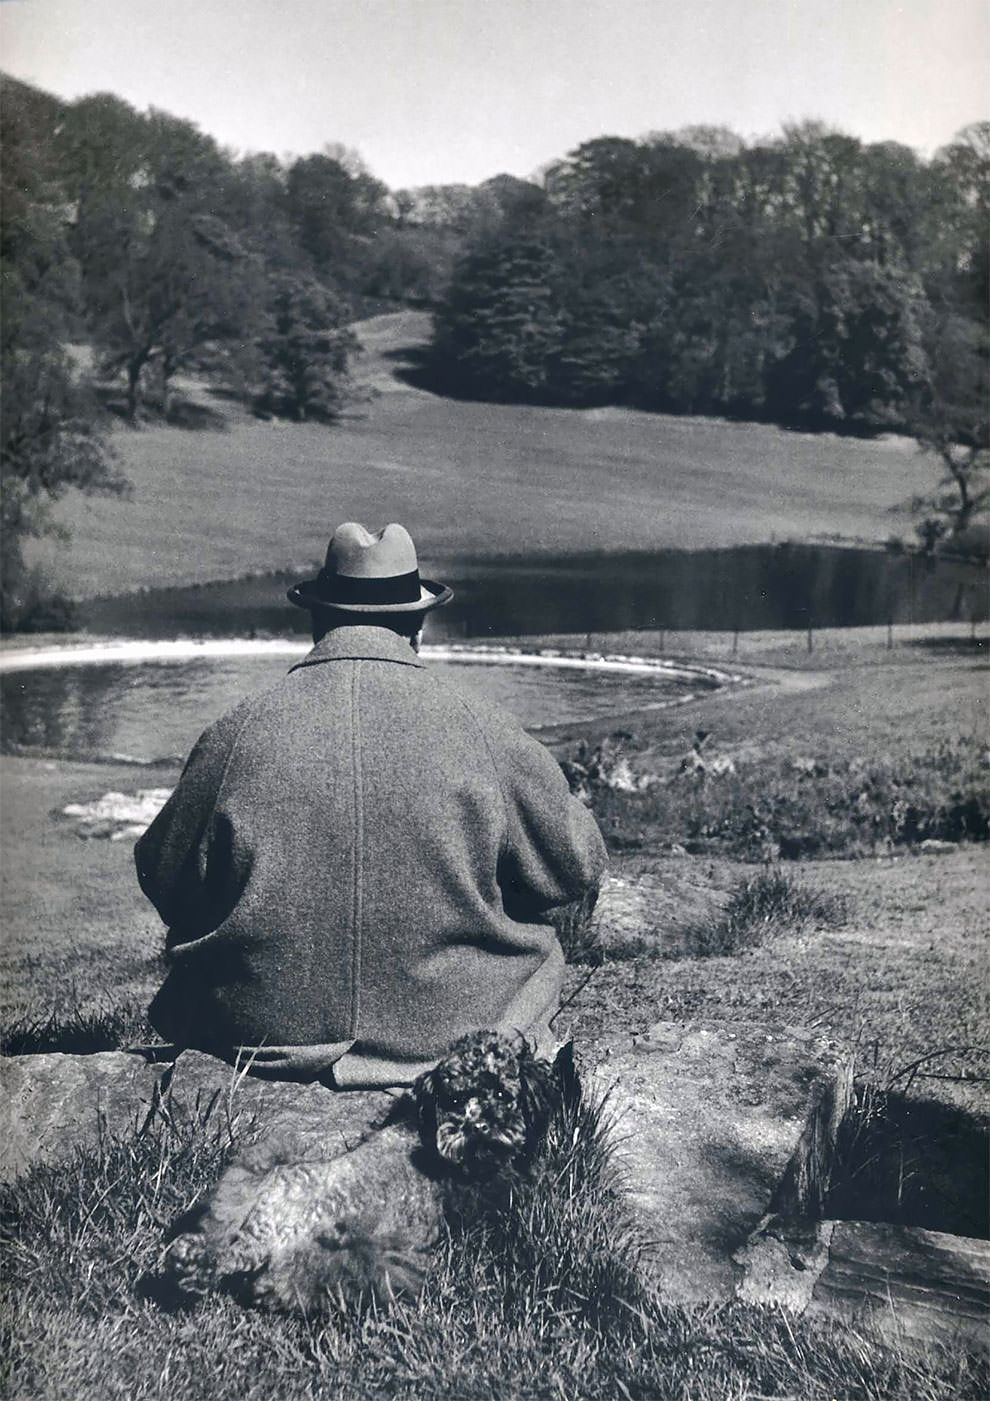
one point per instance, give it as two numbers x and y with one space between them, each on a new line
297 1236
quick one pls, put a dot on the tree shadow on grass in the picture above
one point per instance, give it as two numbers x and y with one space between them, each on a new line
961 645
195 416
183 412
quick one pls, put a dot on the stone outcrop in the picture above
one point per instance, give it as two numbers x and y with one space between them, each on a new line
311 1120
656 906
716 1125
118 816
54 1103
907 1282
723 1133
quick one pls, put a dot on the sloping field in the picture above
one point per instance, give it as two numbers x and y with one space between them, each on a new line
469 480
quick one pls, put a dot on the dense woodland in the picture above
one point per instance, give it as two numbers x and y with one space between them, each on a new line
808 280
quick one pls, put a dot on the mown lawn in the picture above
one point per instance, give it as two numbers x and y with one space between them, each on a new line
469 480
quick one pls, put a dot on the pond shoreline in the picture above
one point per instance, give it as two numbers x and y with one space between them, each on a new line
136 650
140 700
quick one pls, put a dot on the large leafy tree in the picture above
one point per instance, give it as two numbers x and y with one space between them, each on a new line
500 328
304 351
804 279
163 275
52 438
951 417
951 421
854 352
336 209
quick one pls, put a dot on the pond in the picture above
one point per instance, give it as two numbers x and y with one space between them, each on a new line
744 588
143 711
149 709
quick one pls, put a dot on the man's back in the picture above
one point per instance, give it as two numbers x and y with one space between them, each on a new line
355 864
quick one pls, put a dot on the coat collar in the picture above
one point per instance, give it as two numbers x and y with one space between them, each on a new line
364 643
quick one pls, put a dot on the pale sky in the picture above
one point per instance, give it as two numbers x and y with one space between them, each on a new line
440 91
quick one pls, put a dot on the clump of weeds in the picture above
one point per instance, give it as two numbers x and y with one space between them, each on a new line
760 908
808 806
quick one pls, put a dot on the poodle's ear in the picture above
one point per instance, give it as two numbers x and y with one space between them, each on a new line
539 1091
566 1073
424 1096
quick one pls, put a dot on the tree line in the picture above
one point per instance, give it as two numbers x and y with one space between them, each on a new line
808 280
811 281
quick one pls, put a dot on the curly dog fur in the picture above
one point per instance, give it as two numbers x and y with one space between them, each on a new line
297 1236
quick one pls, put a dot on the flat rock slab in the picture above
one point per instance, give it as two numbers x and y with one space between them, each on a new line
655 907
309 1120
906 1282
54 1103
715 1126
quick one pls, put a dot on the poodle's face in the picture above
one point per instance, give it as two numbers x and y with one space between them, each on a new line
486 1100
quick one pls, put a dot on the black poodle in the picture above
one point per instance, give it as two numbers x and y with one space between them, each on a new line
299 1236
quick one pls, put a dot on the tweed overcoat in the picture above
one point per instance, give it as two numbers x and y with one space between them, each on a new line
355 870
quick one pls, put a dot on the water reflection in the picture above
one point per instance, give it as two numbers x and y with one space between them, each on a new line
745 588
157 710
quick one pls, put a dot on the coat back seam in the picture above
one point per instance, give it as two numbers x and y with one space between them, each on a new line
357 901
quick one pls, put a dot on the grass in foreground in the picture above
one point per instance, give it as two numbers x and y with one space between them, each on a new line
77 1031
537 1296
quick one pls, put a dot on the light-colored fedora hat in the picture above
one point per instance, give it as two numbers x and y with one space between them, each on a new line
370 572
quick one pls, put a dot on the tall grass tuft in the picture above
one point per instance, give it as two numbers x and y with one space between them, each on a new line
558 1246
77 1031
576 930
760 908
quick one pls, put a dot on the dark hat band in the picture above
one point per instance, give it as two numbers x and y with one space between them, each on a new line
344 588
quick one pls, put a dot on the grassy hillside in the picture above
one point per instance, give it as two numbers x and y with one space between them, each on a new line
469 479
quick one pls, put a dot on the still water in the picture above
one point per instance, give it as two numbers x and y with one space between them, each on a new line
745 588
156 710
152 710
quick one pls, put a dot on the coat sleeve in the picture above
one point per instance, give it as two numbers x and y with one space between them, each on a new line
553 852
173 855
